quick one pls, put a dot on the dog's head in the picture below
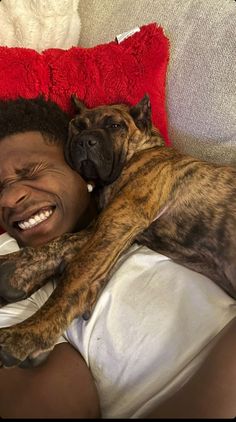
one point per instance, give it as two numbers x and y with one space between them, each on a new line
102 139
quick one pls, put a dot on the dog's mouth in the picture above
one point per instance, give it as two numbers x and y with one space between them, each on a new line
88 170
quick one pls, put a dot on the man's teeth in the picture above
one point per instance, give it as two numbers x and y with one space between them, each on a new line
35 220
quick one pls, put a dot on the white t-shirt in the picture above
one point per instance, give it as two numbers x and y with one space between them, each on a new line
152 326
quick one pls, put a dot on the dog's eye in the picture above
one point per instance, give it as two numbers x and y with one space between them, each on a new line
78 124
81 126
113 126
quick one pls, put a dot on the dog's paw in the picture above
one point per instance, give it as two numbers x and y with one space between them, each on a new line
8 292
8 361
20 347
3 302
14 272
23 272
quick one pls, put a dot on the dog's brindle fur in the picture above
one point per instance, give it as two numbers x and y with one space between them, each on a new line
175 204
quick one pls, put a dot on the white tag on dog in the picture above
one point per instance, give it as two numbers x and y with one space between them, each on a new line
127 34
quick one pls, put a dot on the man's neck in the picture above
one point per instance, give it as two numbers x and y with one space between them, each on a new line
89 215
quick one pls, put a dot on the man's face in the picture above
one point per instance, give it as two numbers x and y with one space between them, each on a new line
41 197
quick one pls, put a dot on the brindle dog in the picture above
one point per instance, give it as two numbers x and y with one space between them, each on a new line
174 204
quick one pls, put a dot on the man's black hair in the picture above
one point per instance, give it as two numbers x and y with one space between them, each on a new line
23 115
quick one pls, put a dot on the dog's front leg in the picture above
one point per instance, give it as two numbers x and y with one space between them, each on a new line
80 284
23 272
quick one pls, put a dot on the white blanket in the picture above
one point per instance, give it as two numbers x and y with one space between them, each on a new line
39 24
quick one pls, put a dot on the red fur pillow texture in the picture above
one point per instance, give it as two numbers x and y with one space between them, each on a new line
105 74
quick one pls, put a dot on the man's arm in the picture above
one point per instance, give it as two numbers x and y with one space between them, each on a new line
62 387
211 392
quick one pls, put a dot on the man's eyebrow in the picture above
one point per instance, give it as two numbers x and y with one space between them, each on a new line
24 171
27 168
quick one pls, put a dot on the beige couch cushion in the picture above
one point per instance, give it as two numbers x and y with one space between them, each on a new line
201 94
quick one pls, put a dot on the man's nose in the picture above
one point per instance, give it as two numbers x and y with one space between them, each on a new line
13 195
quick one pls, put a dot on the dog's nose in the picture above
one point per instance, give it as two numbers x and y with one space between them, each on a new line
87 141
91 142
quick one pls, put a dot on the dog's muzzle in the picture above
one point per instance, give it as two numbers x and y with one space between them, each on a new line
91 155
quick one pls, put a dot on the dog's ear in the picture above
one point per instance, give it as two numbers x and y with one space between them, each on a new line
142 114
79 105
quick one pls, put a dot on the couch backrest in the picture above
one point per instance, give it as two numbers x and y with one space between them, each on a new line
201 94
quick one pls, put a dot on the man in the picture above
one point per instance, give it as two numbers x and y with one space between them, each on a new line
153 324
41 198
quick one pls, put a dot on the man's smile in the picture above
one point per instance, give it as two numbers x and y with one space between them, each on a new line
35 219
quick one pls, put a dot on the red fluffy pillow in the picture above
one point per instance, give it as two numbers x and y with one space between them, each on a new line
108 73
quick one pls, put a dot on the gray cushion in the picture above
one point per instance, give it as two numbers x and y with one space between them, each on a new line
201 95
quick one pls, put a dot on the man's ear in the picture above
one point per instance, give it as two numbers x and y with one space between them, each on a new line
79 105
142 114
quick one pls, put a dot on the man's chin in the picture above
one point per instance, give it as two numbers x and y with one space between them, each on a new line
38 235
32 241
